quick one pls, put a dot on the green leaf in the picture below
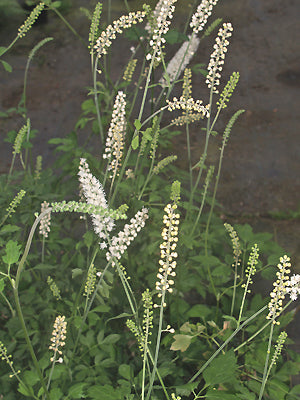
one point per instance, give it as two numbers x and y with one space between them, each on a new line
181 342
135 142
56 394
186 390
173 36
222 369
220 395
23 390
125 371
9 229
147 134
199 311
105 392
56 4
31 378
137 124
88 238
12 251
6 66
245 233
76 391
1 285
111 339
76 272
2 50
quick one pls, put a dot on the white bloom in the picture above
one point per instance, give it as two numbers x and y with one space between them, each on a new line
159 26
94 194
181 59
116 133
120 242
200 17
293 287
216 62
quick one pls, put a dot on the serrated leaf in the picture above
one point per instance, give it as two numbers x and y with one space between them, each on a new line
147 134
221 370
181 342
12 252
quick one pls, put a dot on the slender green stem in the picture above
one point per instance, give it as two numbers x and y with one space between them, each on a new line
264 380
189 155
10 46
28 342
237 330
13 312
158 339
261 329
234 287
68 25
96 99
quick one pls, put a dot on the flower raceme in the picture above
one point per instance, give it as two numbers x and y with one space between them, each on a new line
120 242
216 62
181 59
94 194
160 23
293 287
116 133
125 21
168 254
200 17
58 337
280 289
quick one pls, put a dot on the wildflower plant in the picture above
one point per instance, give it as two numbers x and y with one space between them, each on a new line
197 329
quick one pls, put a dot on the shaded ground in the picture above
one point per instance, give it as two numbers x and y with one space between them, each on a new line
260 169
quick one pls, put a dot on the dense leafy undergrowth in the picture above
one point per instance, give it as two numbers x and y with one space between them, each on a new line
125 283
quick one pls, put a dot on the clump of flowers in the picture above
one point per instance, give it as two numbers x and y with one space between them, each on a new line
116 133
168 255
54 288
200 17
142 335
293 287
181 59
119 243
280 289
14 203
58 337
7 358
30 20
228 90
188 104
130 70
160 24
251 266
45 221
216 62
235 242
95 195
125 21
90 281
